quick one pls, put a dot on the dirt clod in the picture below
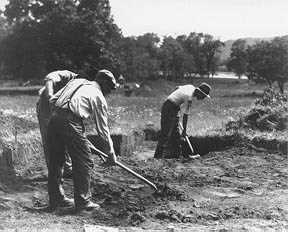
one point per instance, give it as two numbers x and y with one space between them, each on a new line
165 191
136 218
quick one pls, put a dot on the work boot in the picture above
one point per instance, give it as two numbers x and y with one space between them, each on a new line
89 206
64 203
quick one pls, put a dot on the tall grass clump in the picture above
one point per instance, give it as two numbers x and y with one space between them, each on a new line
21 138
268 113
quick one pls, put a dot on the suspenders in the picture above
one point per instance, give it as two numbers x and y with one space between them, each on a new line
68 100
70 97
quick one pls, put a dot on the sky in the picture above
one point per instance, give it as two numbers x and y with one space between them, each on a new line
224 19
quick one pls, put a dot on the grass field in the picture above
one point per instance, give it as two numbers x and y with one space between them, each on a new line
229 98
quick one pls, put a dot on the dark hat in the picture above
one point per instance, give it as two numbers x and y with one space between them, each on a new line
107 76
205 89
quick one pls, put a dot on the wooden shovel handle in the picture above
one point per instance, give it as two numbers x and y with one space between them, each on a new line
102 154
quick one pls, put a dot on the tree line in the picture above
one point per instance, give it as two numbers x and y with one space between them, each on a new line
263 61
40 36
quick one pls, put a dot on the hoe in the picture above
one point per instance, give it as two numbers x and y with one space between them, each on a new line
104 156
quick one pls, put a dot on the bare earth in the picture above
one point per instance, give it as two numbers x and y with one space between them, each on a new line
239 189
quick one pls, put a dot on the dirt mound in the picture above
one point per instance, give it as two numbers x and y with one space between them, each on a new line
268 113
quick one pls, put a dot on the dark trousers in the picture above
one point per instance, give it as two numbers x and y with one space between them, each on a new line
67 130
169 140
44 114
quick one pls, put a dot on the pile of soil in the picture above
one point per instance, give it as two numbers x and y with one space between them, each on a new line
269 113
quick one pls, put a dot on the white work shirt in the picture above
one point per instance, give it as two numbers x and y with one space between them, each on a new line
183 94
87 101
59 79
60 75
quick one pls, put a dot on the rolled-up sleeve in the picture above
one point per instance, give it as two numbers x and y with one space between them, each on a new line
100 116
54 77
59 77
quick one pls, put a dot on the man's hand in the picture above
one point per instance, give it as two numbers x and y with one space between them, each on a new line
182 140
111 160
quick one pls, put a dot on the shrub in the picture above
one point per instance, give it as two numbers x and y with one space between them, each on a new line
268 113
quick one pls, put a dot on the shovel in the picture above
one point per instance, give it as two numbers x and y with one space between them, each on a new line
104 156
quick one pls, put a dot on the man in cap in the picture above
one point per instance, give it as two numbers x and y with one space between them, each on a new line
54 81
77 101
169 143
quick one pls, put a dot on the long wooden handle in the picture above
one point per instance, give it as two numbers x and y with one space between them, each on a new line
102 154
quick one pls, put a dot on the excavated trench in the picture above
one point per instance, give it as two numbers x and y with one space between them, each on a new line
133 202
201 144
181 185
127 144
129 199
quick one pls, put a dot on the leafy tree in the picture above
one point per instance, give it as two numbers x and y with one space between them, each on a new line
238 58
138 56
4 27
172 58
193 46
149 42
56 34
280 55
126 52
203 48
189 62
268 61
17 11
210 48
4 31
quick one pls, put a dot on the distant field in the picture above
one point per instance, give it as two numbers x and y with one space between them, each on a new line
20 90
229 97
228 75
20 105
